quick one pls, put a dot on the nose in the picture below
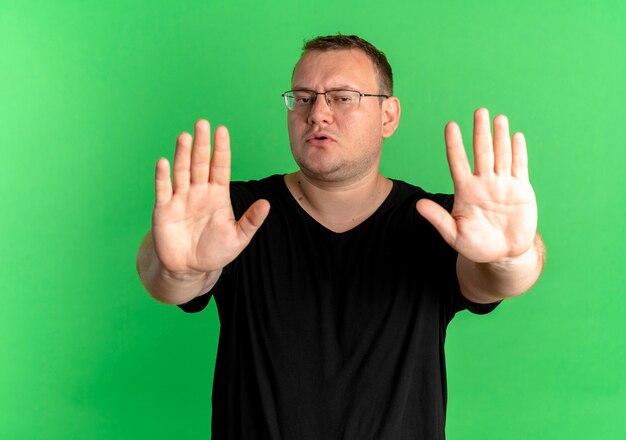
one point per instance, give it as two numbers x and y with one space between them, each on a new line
320 112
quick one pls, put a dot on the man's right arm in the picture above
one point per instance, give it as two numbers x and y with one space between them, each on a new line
166 286
194 230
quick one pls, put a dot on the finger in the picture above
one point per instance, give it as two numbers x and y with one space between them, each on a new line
162 183
439 218
220 162
201 153
253 218
455 151
182 159
519 166
501 145
483 145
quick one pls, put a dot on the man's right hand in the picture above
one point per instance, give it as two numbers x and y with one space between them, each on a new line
194 230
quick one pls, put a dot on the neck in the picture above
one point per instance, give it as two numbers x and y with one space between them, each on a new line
339 206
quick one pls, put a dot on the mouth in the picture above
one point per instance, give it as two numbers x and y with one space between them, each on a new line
319 138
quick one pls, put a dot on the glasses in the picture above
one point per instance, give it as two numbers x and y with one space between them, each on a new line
337 100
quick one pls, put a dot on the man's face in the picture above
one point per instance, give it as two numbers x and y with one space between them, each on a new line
331 144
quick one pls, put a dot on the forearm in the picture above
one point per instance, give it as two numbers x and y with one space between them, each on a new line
491 282
166 286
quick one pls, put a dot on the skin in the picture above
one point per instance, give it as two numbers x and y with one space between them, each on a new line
339 183
194 231
358 135
493 224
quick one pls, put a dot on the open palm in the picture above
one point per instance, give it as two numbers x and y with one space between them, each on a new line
494 216
193 225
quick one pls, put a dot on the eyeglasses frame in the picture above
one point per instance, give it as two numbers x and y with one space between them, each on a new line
316 93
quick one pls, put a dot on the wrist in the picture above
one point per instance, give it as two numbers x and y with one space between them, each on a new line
187 276
487 282
534 256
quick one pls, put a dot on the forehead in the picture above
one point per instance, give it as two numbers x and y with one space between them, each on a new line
334 68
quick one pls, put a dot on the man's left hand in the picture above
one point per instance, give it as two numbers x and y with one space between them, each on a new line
494 217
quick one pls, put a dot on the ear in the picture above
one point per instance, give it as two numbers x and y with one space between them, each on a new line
390 115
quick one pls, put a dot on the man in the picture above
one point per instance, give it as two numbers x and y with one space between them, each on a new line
334 284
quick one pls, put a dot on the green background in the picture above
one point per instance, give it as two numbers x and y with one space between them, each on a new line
93 93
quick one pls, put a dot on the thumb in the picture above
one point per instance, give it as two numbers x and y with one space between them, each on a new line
253 218
439 218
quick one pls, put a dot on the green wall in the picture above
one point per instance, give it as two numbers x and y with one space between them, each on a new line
93 93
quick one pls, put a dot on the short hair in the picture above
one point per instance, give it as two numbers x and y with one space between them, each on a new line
340 41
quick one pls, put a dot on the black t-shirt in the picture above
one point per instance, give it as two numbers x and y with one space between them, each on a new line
329 335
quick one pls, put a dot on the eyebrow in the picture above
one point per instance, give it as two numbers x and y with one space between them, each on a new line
330 89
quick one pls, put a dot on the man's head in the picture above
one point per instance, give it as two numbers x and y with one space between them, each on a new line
336 135
345 42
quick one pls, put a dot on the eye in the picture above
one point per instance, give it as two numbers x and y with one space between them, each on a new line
341 97
302 98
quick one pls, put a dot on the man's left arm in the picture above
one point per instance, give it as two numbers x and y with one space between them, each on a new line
493 222
491 282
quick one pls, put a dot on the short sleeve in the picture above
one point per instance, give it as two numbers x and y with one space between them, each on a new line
197 304
479 309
